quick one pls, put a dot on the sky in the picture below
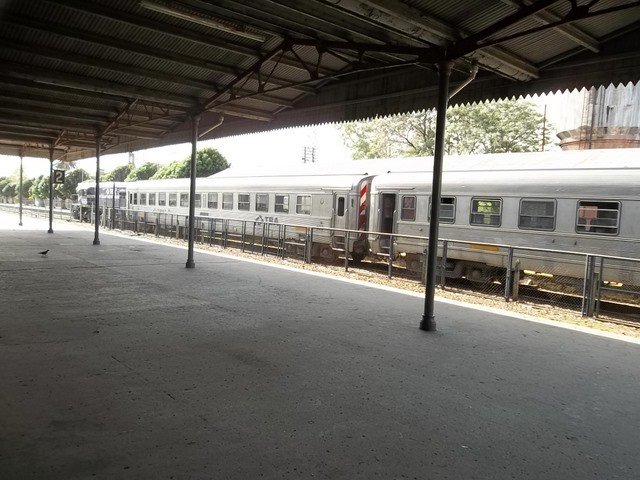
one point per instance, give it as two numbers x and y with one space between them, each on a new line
246 151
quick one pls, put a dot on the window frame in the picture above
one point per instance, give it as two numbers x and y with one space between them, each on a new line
262 206
227 201
284 206
404 209
615 229
553 217
473 212
244 202
302 207
212 201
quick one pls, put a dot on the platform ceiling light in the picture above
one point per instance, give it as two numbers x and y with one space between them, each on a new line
199 19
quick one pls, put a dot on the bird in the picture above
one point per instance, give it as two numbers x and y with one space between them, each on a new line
44 253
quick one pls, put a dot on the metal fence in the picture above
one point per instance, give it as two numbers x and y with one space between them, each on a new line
582 281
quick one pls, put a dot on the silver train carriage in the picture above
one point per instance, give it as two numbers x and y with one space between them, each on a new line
309 198
112 194
582 201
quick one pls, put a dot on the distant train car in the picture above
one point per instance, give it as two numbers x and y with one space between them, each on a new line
583 201
112 194
314 198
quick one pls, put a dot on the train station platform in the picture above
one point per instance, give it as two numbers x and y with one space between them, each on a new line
117 362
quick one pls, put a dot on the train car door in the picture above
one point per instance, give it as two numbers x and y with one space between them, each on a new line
340 218
387 215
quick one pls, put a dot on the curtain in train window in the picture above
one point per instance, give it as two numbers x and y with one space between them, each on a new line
227 201
282 203
536 214
262 202
486 212
303 204
244 202
408 210
598 217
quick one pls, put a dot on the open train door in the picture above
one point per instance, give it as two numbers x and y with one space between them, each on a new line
340 220
387 214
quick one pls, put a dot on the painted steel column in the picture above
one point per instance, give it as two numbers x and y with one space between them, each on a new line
428 322
50 190
96 203
20 193
192 190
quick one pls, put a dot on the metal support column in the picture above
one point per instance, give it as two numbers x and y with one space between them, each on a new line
20 192
192 190
428 322
50 190
96 203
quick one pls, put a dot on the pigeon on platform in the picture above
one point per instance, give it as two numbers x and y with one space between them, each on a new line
44 253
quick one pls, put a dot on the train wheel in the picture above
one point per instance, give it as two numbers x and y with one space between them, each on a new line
357 257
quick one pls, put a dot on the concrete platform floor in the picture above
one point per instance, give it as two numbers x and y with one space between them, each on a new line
117 362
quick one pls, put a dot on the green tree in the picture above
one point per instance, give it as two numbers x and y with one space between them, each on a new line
40 188
208 162
9 191
118 174
4 181
26 188
71 181
505 126
143 172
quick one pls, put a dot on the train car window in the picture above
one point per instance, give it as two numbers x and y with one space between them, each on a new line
213 201
303 204
143 199
341 206
486 212
447 209
408 210
282 203
152 199
162 199
173 199
537 214
134 199
598 217
262 202
184 199
227 201
197 200
244 202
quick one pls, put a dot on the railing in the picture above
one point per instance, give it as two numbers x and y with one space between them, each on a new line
585 279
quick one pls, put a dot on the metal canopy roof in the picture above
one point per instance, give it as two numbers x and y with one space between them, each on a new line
134 72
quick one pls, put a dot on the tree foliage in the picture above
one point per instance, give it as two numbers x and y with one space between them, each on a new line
505 126
143 172
71 181
40 187
118 174
208 162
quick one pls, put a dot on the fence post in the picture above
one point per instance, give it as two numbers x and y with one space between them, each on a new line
507 280
587 290
443 264
515 288
390 262
346 251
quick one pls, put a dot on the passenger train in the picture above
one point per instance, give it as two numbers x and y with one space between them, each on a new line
568 201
